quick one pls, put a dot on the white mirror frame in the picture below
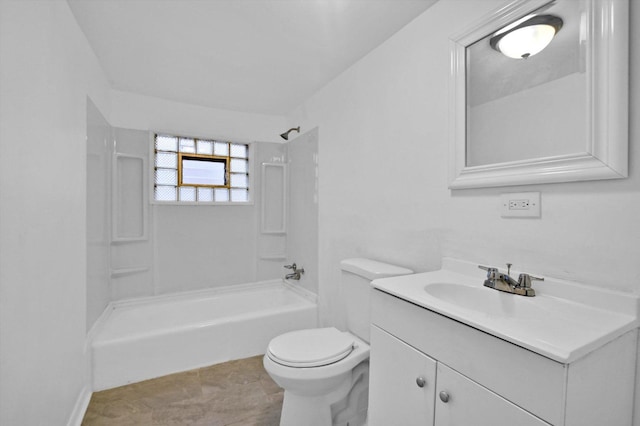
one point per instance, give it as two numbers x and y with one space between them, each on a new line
606 147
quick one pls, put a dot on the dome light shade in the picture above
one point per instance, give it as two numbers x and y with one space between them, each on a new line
527 38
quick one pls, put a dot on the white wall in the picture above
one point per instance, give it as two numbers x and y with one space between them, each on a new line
133 111
47 70
383 176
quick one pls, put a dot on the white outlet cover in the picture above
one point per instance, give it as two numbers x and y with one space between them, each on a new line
520 204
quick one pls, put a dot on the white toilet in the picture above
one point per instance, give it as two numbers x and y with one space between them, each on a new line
325 372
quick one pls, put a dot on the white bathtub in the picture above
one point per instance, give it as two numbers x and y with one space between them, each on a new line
145 338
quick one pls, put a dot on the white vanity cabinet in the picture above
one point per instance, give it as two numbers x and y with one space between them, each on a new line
402 383
404 391
488 380
461 401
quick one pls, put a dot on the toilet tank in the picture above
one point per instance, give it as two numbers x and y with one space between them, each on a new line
356 278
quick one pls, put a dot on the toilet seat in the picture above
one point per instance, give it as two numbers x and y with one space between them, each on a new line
311 348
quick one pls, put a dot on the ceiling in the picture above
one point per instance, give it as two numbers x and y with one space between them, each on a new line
264 56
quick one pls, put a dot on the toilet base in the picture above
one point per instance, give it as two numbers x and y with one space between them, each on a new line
347 404
314 410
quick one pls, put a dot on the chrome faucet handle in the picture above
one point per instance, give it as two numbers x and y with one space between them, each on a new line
292 266
491 271
524 280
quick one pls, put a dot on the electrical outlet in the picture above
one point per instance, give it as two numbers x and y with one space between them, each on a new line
520 204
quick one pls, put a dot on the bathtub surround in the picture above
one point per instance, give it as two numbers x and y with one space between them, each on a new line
207 246
195 247
224 247
302 235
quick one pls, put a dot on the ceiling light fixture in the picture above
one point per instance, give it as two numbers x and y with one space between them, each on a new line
526 38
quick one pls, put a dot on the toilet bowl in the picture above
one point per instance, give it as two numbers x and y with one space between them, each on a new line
314 383
325 372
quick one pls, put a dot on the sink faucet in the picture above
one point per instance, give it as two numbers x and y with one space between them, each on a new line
503 282
295 275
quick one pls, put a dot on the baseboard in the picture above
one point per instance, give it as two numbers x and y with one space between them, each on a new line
80 407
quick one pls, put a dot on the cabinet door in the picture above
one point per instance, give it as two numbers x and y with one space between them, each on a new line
471 404
395 396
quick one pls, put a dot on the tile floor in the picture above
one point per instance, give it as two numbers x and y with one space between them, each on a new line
236 393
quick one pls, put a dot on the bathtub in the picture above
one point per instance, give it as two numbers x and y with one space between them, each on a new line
141 339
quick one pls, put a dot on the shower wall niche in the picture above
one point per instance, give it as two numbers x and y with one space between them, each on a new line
272 199
131 217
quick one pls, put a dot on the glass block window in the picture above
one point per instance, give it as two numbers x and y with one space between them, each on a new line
200 170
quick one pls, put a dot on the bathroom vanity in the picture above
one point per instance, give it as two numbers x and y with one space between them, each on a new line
447 351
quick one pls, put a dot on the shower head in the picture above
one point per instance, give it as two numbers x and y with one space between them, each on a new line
285 135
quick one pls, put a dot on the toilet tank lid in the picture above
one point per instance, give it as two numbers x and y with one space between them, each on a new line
372 269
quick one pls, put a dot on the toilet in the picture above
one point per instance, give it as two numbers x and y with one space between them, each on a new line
325 371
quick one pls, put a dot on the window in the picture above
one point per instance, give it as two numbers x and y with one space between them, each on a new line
198 170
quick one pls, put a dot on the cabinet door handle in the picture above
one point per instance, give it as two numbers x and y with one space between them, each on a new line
444 397
420 381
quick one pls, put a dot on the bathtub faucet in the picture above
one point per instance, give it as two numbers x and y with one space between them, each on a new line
295 275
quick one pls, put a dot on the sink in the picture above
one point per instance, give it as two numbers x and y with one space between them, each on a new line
489 302
475 298
564 321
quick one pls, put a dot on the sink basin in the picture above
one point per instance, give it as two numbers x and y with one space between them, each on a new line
475 298
564 321
489 302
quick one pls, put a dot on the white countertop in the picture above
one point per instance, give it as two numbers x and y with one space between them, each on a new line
563 322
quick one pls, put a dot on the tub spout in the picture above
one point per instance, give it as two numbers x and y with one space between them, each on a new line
295 275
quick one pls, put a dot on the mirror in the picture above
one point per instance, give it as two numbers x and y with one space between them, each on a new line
559 115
